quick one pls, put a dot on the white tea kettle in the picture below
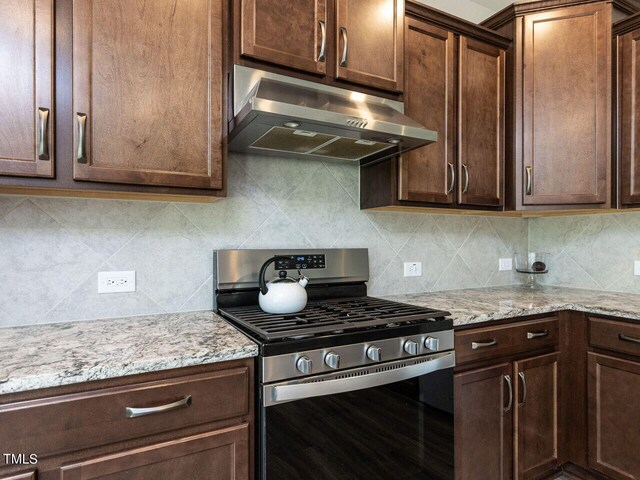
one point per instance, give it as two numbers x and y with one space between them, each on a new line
282 294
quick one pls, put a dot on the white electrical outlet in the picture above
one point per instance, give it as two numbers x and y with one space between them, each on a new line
412 269
505 264
636 268
116 282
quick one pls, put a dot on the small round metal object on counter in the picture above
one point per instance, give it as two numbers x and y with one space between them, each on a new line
304 365
411 347
374 353
432 344
332 360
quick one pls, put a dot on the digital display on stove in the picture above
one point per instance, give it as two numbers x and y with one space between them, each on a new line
300 262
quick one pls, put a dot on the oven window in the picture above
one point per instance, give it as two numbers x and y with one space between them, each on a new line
401 431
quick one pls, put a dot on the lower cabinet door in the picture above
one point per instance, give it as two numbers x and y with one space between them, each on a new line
536 416
484 401
614 416
220 455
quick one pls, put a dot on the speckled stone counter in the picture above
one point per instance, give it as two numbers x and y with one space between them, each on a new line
496 303
42 356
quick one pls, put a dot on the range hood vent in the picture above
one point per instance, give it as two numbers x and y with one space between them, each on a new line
278 115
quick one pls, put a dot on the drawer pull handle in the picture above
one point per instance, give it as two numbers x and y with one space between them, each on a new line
133 412
628 339
524 389
507 378
477 345
544 333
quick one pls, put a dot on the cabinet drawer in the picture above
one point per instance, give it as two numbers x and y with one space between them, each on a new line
493 342
81 420
614 335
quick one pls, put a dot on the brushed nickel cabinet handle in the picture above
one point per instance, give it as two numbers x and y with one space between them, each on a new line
628 339
452 180
466 178
529 171
345 46
524 389
81 154
544 333
477 345
43 133
507 378
323 45
133 412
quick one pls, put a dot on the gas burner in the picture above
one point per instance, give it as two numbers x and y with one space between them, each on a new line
330 317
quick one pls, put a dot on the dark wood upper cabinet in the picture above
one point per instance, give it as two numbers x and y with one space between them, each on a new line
566 106
147 92
536 416
628 117
614 417
225 452
26 88
292 33
454 75
428 173
481 94
369 42
484 423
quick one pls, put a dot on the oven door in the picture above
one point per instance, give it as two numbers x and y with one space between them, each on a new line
392 421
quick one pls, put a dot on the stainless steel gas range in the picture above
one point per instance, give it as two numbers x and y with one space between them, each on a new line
352 387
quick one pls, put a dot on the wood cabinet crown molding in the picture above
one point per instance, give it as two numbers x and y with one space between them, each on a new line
627 7
627 25
455 24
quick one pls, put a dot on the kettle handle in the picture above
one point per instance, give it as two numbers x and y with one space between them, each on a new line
263 270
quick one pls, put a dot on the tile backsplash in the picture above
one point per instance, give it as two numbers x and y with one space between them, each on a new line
589 251
51 249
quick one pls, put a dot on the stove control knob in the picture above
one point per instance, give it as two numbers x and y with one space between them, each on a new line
374 353
411 347
432 344
332 360
304 364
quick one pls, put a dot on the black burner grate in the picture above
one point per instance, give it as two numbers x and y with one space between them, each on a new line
330 316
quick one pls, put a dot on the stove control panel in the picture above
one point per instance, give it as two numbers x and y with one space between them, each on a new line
300 262
340 357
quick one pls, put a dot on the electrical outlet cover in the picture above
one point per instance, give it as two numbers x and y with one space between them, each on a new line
116 282
505 264
412 269
636 268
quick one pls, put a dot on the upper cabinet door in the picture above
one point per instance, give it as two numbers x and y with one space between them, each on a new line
291 33
481 123
566 106
629 117
147 92
428 173
26 88
370 42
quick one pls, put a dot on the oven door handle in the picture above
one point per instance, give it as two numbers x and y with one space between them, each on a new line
288 392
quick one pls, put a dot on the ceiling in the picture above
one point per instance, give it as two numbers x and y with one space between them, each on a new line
493 4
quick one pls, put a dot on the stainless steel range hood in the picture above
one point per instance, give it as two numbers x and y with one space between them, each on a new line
278 115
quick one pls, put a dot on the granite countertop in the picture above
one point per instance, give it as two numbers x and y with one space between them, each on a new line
42 356
477 305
